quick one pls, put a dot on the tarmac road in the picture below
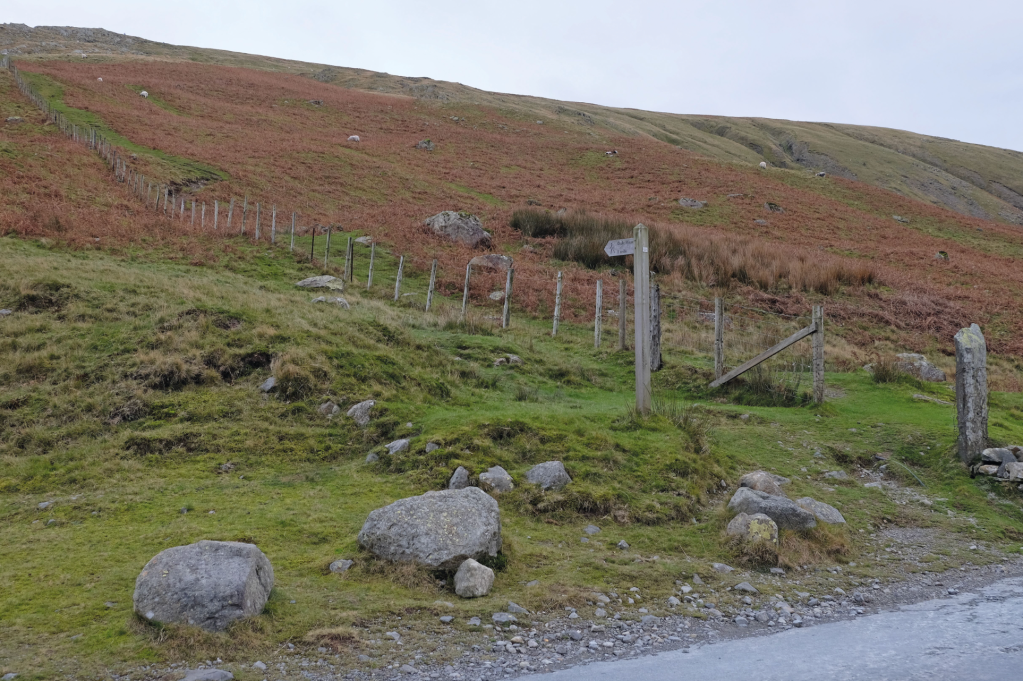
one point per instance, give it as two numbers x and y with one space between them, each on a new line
975 636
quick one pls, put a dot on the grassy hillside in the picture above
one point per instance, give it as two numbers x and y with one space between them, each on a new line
974 180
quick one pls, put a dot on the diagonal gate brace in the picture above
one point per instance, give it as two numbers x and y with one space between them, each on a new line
765 355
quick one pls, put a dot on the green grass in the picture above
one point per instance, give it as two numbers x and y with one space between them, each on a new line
169 165
128 382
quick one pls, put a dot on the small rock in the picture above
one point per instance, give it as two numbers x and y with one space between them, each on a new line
397 446
836 475
777 571
341 565
473 579
207 675
504 618
474 622
623 545
460 227
550 475
500 361
328 409
600 612
496 479
535 582
405 668
672 601
823 512
44 505
573 615
459 479
697 580
259 665
741 621
432 447
747 587
721 567
447 619
372 457
497 296
514 359
322 281
649 619
425 145
691 203
321 299
517 609
360 412
764 482
5 313
268 385
591 529
393 635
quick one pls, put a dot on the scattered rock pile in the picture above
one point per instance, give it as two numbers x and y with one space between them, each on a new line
461 227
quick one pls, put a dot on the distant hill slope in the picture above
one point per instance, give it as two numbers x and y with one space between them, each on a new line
974 180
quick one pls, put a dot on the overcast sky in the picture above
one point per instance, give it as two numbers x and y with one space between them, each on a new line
952 69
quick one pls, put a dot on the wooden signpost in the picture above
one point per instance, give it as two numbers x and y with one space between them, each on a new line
639 248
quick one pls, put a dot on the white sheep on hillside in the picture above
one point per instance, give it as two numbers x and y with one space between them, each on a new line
100 79
144 94
354 138
763 165
613 152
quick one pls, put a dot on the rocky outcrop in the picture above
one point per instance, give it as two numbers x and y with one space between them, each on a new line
753 528
439 530
209 584
917 365
360 412
492 261
823 512
971 393
459 479
763 481
783 511
461 227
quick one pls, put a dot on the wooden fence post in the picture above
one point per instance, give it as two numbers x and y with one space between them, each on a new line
273 225
181 213
257 224
202 224
312 244
372 256
622 313
506 318
557 306
216 213
465 289
292 231
245 212
326 249
230 212
655 328
818 355
397 280
433 280
193 212
641 277
166 196
598 316
348 259
719 337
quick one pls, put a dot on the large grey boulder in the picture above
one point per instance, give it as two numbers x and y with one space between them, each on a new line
439 530
549 475
823 512
786 513
496 479
473 579
461 227
764 482
209 584
971 393
360 412
917 365
492 261
459 479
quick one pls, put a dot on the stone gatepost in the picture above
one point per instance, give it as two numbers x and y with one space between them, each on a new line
971 393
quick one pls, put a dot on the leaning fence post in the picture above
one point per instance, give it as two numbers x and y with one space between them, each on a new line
312 244
598 316
372 255
622 311
719 337
397 280
465 289
506 318
293 231
433 280
273 225
326 249
818 354
350 257
557 306
257 223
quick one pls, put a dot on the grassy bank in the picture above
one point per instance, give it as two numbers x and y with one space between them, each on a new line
130 399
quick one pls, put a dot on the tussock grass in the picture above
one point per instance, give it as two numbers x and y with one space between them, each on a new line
697 254
886 370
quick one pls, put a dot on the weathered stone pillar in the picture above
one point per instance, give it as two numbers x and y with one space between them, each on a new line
971 393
